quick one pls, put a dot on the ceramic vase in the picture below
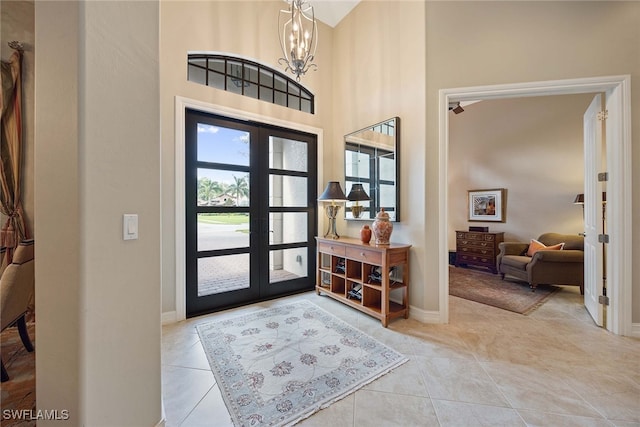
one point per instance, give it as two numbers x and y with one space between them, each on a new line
382 228
365 234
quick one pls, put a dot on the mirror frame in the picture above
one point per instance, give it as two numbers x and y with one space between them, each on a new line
394 215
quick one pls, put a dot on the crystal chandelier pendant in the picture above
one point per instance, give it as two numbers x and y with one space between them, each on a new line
298 38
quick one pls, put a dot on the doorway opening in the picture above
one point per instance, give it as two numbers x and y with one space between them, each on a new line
618 221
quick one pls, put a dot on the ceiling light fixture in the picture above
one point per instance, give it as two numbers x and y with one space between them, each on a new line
298 37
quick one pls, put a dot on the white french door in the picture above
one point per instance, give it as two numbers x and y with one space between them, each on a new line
594 151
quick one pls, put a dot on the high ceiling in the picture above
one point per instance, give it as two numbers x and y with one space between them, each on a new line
331 12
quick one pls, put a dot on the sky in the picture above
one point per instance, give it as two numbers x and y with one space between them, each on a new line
222 145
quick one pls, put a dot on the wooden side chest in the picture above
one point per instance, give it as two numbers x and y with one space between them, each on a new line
478 248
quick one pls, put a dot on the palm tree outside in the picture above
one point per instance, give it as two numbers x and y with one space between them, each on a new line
209 190
239 188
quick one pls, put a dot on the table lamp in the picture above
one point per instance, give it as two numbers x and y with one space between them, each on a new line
356 195
333 193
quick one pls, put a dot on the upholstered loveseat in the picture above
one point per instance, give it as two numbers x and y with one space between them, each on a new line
563 266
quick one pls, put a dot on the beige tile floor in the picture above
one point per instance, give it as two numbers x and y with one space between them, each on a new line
487 367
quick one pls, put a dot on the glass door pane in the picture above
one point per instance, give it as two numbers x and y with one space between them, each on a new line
223 273
218 187
288 209
287 264
217 144
288 227
286 154
223 231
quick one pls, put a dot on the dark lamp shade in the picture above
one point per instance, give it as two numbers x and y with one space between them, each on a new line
357 193
332 192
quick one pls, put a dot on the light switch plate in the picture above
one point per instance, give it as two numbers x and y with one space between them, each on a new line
130 227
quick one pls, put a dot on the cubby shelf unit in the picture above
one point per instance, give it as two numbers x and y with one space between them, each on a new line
346 264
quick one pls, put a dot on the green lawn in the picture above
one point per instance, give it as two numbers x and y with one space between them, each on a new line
224 219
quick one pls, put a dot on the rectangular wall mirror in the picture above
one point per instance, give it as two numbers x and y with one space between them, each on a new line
371 171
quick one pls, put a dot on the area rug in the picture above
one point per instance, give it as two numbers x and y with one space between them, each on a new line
487 288
278 366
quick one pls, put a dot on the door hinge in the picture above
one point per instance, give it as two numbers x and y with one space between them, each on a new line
603 238
603 115
603 176
604 300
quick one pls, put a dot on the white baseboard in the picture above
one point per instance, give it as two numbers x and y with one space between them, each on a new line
163 419
635 330
424 316
169 317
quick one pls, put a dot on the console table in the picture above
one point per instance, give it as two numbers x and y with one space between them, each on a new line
363 276
478 248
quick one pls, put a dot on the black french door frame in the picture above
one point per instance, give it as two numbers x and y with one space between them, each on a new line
260 287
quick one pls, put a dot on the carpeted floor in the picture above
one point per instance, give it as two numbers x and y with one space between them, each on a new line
19 392
487 288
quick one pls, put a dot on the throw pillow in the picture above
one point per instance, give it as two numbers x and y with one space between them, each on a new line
536 246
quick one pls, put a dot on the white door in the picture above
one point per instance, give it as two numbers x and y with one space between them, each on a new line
593 253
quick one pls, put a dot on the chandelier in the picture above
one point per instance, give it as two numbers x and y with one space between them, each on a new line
298 37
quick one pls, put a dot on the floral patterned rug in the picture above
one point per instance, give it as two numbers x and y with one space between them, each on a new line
278 366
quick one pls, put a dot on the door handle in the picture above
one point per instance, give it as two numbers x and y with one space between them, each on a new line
582 234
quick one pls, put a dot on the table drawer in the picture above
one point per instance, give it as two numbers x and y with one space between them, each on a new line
478 237
469 236
474 243
330 248
484 251
364 255
475 259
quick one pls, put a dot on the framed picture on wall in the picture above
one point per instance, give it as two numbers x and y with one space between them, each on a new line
487 205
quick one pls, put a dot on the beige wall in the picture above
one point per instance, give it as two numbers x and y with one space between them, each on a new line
483 43
18 24
247 29
380 71
98 157
57 252
533 147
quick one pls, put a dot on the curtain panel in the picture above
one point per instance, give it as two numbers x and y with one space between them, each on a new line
14 230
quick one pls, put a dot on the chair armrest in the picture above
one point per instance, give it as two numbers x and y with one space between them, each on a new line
570 255
512 248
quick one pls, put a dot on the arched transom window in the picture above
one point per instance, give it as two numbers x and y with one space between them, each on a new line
249 78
